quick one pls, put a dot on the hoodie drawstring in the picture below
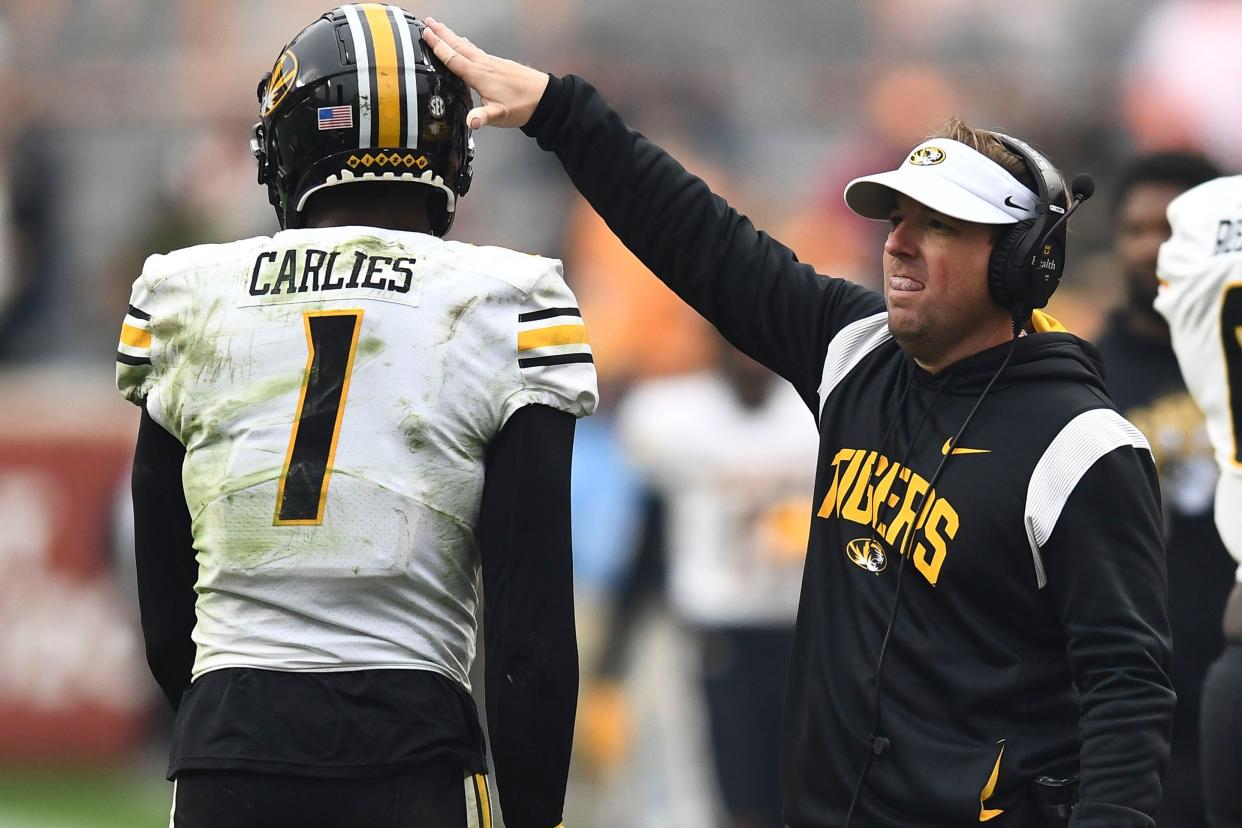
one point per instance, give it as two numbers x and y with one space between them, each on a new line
880 744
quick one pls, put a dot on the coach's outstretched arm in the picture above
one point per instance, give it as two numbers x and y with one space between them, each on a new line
749 286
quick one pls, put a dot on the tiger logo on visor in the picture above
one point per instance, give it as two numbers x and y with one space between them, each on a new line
927 156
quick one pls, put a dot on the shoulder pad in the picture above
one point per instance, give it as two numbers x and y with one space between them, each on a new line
521 270
199 256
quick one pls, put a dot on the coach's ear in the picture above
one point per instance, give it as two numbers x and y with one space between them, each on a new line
509 91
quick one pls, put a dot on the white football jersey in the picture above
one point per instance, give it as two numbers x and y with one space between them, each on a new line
336 390
1200 270
737 484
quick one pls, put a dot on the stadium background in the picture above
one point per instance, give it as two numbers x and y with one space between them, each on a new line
123 130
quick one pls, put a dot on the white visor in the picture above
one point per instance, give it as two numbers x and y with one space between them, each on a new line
950 178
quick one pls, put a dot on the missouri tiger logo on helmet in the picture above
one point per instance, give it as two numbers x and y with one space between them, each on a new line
358 84
279 81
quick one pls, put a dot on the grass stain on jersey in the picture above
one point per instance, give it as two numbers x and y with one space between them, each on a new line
413 428
199 351
370 245
194 358
218 517
455 315
206 474
369 346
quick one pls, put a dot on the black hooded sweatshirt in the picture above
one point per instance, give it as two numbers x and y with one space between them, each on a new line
1031 637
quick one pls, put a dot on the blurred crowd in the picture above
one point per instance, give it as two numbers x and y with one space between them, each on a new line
123 132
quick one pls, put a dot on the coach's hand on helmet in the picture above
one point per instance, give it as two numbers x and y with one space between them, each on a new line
509 91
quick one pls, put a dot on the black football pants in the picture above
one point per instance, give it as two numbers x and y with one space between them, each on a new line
1220 742
433 796
744 671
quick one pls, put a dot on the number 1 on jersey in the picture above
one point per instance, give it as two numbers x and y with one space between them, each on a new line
332 338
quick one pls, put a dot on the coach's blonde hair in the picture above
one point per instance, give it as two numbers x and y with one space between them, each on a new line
987 145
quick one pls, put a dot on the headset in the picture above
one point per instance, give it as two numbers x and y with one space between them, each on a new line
1028 258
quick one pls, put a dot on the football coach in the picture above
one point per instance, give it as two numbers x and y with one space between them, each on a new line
982 634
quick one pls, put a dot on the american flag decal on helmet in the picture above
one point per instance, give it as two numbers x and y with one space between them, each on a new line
336 117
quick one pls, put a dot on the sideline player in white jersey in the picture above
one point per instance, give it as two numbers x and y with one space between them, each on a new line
1200 268
727 455
346 424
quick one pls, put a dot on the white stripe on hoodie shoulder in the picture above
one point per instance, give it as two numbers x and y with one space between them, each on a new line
847 349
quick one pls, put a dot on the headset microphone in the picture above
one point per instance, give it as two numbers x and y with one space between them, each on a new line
1083 187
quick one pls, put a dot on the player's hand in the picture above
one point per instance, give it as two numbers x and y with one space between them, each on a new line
509 91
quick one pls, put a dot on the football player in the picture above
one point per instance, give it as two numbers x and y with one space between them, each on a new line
725 454
1147 386
1200 294
347 429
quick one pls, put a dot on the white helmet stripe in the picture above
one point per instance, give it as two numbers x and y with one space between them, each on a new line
365 106
410 60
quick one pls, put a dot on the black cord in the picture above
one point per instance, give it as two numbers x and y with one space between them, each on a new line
880 744
892 424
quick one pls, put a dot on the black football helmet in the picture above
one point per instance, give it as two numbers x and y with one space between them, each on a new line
358 96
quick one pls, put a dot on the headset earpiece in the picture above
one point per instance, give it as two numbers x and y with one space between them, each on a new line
1022 273
1028 258
1002 279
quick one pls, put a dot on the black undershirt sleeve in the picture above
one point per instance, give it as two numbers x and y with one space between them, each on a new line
530 645
164 558
751 287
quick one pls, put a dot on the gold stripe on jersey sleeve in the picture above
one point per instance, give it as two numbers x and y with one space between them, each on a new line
387 81
555 335
135 337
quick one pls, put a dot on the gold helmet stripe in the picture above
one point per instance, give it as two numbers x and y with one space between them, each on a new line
386 73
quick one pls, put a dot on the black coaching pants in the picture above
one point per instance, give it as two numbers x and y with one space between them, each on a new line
433 796
1220 742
